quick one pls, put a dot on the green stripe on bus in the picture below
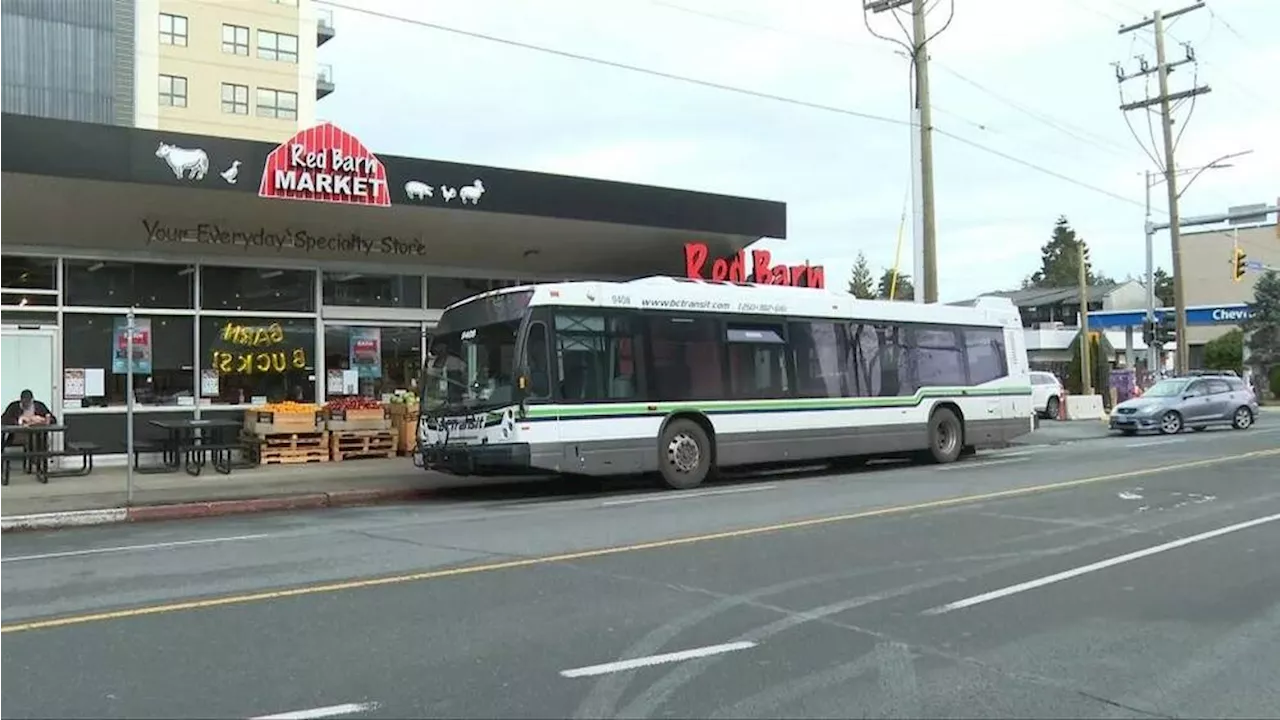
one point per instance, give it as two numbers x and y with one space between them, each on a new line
663 408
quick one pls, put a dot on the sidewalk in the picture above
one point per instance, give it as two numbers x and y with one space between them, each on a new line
101 496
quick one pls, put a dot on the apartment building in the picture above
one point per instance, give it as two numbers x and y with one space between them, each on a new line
233 68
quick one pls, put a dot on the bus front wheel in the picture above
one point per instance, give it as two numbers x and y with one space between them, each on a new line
684 454
946 436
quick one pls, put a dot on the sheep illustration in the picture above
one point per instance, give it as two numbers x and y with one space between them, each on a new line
471 192
417 190
448 193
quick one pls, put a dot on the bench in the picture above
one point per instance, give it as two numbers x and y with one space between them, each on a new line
175 458
81 449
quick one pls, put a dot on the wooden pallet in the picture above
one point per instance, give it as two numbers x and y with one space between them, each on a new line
353 444
291 456
294 441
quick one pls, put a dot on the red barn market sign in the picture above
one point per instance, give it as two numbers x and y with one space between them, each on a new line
325 164
699 266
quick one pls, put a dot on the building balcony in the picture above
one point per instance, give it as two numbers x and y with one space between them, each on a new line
324 26
324 81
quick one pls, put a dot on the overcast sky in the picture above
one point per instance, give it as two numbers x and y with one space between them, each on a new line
1037 86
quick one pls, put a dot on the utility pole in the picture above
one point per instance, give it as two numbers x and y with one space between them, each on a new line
1165 101
1086 370
1153 354
925 224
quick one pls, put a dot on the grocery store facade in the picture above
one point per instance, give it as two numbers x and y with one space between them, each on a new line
303 271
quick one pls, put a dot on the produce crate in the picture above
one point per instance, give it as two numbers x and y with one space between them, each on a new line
405 426
289 448
268 422
353 444
372 419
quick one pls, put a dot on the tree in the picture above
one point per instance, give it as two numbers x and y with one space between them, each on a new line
861 284
1164 287
1060 260
1100 354
904 290
1263 326
1225 353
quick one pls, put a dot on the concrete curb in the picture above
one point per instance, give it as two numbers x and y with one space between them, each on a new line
214 508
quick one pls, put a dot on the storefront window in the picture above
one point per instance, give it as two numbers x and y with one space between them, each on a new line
266 289
380 360
97 346
28 282
445 291
253 360
364 290
99 283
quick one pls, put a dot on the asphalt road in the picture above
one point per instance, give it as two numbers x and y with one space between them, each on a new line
1112 578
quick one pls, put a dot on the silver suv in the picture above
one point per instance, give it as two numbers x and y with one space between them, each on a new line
1195 402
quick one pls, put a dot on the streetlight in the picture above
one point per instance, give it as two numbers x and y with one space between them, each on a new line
1154 179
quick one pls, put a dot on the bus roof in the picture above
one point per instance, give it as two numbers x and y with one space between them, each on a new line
686 295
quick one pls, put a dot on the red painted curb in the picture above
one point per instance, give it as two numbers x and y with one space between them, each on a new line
227 507
349 498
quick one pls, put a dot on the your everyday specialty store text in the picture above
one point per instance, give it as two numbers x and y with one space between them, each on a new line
281 240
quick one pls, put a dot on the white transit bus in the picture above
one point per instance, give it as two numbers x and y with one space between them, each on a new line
683 377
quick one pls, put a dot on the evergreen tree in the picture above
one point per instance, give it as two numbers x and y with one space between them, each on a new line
1060 260
861 284
904 290
1225 353
1263 327
1100 353
1164 287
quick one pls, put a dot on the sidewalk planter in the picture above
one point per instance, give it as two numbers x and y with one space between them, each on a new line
354 444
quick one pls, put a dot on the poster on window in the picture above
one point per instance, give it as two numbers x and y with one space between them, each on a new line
141 346
366 352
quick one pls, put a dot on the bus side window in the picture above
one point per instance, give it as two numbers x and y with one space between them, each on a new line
536 360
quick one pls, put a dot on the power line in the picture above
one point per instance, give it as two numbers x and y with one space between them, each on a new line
725 88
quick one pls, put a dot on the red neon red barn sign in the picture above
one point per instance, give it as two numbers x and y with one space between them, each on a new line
763 271
325 164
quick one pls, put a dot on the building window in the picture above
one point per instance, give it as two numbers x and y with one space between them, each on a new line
277 46
28 282
235 99
97 283
243 358
372 290
281 104
173 30
385 359
260 289
162 368
235 40
445 291
173 91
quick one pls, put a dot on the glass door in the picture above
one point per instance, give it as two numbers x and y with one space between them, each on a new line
370 359
28 361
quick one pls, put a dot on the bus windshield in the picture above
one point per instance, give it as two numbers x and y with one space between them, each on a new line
471 362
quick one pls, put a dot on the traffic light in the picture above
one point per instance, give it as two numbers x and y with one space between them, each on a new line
1166 332
1148 332
1238 258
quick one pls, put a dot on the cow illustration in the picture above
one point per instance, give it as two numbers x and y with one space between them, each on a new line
192 161
471 193
416 190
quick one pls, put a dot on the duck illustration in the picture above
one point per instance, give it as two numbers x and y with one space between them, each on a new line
232 172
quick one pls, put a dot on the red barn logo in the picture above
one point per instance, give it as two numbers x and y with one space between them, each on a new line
325 164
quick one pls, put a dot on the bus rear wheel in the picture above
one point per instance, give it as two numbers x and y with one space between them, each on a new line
946 436
684 455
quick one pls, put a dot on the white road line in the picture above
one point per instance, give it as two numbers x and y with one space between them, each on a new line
1153 443
1101 565
650 660
321 712
681 496
130 548
1016 453
981 464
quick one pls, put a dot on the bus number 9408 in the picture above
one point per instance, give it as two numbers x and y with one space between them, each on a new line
621 299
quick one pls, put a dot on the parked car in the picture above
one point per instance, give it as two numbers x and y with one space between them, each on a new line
1046 394
1196 402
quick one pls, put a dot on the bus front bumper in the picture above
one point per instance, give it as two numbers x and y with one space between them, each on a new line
487 459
